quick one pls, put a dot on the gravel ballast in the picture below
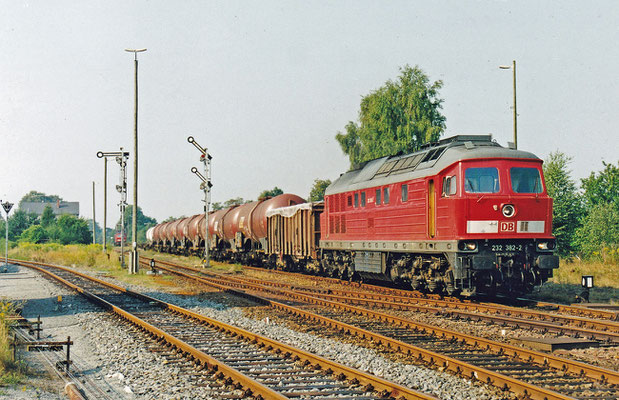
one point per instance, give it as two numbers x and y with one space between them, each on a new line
116 357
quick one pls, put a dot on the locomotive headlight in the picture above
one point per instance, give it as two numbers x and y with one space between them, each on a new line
546 245
467 246
508 210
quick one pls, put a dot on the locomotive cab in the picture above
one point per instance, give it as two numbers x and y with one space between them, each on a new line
504 240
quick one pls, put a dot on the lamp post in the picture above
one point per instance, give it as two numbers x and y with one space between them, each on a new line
134 229
206 185
121 158
513 68
7 207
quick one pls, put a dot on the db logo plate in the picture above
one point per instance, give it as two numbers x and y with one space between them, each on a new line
507 227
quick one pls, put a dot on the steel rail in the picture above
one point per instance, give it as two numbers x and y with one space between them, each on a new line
589 326
507 320
608 330
568 309
210 362
377 384
460 367
578 310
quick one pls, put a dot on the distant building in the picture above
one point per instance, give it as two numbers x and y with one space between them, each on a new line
58 207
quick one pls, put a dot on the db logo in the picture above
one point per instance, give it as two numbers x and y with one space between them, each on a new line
507 226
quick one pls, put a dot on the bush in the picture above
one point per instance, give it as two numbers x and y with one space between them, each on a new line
34 234
598 237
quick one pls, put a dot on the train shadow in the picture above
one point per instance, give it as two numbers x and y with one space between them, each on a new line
56 306
219 300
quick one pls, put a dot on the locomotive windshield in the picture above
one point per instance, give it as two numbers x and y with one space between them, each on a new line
525 180
481 180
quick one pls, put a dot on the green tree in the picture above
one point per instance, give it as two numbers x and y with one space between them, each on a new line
396 118
602 188
98 230
318 190
19 222
143 223
34 234
228 203
48 217
70 229
270 193
567 205
598 237
39 197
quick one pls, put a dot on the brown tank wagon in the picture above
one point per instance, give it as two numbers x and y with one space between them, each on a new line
191 229
231 222
233 230
169 229
157 236
258 228
178 233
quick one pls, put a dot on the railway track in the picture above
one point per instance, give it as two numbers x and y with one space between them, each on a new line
525 372
534 306
248 364
394 299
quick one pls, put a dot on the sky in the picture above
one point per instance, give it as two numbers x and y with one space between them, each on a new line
266 86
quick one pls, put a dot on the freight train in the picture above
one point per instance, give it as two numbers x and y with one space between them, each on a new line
461 216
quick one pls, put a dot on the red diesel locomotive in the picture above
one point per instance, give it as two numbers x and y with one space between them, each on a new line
463 215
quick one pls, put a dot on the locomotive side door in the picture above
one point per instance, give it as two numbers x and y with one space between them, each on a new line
431 209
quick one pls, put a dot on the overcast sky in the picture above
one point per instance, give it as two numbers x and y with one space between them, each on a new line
267 85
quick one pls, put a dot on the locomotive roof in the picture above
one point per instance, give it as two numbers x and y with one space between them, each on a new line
430 160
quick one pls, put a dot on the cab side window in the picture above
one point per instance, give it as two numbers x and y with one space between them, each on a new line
450 185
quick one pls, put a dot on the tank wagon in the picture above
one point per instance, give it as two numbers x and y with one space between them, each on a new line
463 215
236 233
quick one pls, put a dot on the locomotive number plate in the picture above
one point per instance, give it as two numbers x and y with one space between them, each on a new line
506 248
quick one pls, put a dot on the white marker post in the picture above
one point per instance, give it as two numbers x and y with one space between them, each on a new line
7 207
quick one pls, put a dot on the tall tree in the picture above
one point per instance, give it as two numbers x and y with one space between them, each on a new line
603 187
228 203
48 217
144 222
270 193
318 190
39 197
567 205
396 118
19 222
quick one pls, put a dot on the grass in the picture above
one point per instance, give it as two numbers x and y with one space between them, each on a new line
11 372
566 282
563 287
